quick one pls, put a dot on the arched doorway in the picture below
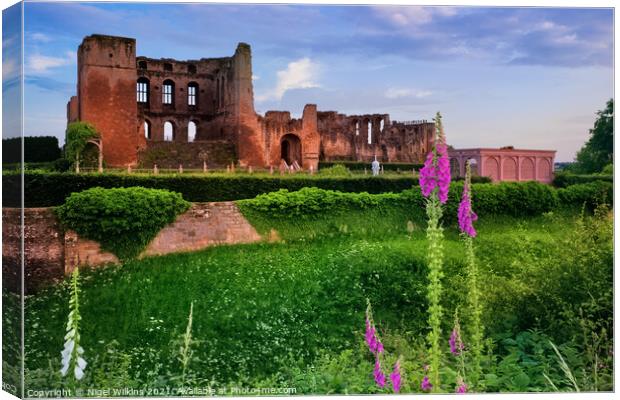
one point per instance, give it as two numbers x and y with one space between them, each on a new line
290 149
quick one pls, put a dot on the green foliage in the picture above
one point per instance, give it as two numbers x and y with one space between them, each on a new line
123 220
360 166
608 169
335 170
309 202
599 149
37 149
518 199
44 189
565 179
589 194
77 136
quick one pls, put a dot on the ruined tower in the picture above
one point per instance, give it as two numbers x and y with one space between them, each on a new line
106 95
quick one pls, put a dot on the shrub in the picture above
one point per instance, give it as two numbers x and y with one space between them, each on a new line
566 179
335 170
123 220
309 201
588 194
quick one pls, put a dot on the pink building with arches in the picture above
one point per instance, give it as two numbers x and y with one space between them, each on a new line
505 163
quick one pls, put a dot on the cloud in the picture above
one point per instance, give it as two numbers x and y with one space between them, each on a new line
299 74
397 93
413 16
38 37
41 64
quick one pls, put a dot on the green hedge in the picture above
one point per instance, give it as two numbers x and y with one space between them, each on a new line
44 189
565 179
507 198
359 166
588 194
123 220
36 149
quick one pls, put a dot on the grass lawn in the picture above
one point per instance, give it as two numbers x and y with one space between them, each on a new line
259 309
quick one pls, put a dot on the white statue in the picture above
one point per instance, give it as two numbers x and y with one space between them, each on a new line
375 166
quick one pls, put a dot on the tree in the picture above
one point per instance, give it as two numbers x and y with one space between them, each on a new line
78 135
599 149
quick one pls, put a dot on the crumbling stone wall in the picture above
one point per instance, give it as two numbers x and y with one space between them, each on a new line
51 252
362 137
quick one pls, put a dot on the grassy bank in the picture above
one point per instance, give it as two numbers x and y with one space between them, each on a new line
291 311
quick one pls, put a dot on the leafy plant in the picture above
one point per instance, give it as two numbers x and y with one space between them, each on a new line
123 220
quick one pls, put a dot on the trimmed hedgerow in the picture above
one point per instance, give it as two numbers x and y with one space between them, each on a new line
122 220
588 194
516 199
310 201
43 189
565 179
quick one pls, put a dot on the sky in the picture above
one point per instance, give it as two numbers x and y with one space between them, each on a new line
528 77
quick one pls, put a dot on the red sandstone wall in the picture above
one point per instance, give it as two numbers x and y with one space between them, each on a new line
107 95
43 246
50 253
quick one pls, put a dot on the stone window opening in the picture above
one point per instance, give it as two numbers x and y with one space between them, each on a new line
168 131
147 129
191 68
143 90
142 64
192 94
168 92
191 131
369 132
167 67
357 128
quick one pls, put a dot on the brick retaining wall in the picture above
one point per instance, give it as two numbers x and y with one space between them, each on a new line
51 253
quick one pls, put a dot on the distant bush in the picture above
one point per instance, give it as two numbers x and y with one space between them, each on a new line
335 170
565 179
123 220
588 194
37 149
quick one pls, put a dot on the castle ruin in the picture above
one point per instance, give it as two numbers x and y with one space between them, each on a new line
169 111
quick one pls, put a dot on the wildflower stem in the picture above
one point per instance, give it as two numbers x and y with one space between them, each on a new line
434 233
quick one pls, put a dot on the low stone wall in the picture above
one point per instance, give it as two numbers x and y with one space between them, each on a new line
51 252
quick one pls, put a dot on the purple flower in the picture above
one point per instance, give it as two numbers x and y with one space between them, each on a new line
374 344
395 377
379 377
456 344
371 338
426 384
466 215
436 173
461 386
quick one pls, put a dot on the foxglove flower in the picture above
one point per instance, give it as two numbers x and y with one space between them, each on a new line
72 352
461 386
379 377
426 384
436 171
395 377
466 215
456 344
372 339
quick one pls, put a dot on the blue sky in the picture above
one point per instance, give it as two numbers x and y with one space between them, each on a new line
528 77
